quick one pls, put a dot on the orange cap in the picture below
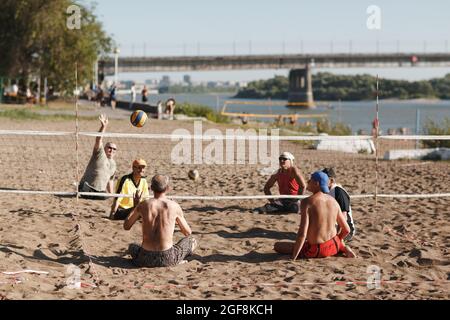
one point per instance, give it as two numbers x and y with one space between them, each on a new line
139 162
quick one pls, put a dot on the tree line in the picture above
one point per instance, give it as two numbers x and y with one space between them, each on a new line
331 87
36 42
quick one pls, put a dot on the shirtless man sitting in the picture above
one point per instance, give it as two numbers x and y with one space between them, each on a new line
159 216
316 236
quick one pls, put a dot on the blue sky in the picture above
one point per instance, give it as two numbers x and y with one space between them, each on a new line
175 27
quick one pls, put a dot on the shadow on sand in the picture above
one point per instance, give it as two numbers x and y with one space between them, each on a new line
67 257
251 257
213 208
255 233
114 262
237 208
75 257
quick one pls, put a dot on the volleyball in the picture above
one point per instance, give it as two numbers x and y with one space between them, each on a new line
138 118
193 174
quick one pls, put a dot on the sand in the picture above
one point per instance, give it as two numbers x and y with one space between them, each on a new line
408 239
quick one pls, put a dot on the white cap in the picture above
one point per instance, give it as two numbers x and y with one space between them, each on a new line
287 155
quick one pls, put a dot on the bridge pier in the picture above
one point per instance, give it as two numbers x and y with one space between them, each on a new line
300 92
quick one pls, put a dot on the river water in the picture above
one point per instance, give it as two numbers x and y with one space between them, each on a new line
357 114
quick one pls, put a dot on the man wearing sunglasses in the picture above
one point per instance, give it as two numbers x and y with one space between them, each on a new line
100 171
129 184
290 182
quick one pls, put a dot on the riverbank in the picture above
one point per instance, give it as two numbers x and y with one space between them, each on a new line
358 116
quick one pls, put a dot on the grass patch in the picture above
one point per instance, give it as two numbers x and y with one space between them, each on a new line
437 129
321 126
311 128
24 114
55 105
335 129
197 110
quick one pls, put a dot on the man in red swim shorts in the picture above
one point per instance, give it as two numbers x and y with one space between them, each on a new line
316 236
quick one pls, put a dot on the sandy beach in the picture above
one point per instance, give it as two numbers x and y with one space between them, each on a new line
407 239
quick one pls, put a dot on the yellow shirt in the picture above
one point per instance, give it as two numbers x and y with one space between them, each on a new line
125 185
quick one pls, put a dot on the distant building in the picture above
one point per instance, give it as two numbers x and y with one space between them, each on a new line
211 84
125 84
152 82
164 84
187 79
165 81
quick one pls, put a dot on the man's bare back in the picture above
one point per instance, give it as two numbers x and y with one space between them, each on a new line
159 217
322 211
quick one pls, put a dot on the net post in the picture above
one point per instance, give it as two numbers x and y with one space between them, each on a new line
377 133
417 126
76 132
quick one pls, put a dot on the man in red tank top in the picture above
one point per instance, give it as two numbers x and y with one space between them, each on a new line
290 182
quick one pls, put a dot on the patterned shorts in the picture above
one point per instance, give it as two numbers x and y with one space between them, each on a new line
167 258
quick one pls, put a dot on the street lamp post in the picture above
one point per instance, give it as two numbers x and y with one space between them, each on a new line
116 66
95 74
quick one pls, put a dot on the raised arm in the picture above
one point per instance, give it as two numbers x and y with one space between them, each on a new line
300 180
182 223
302 230
104 123
135 213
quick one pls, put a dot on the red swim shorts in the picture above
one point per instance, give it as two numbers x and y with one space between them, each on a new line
326 249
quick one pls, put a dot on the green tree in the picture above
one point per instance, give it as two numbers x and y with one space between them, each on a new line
36 41
328 86
442 86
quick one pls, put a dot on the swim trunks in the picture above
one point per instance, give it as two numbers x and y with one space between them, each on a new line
322 250
122 214
167 258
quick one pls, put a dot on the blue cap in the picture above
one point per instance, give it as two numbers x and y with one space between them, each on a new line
322 178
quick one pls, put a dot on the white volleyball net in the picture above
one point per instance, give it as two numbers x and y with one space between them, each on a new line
394 166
